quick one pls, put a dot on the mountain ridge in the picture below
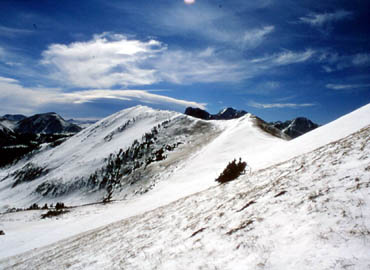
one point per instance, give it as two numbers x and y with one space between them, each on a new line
291 128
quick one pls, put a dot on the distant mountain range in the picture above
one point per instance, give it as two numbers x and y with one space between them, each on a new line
293 128
45 123
296 127
225 114
20 135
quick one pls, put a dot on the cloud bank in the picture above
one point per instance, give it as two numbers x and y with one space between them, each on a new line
19 99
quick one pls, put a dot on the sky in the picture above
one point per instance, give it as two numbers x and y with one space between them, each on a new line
276 59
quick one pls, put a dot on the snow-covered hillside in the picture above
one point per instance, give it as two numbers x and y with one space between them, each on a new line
190 167
128 154
310 212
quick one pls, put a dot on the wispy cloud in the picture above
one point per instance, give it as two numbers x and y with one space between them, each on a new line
347 86
138 95
279 105
333 61
255 37
206 21
361 59
284 58
27 99
205 66
112 59
320 19
11 32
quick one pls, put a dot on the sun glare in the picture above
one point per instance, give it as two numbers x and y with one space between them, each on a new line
189 2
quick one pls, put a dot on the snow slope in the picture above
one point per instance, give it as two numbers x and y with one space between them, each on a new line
310 212
186 171
74 171
79 156
318 137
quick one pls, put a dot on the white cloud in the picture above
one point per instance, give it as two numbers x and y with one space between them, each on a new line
334 62
317 20
129 95
215 22
110 60
14 96
104 61
255 37
361 59
10 31
204 66
284 58
346 86
27 100
279 105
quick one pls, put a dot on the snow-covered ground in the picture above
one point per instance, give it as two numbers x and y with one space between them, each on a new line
194 173
65 170
310 212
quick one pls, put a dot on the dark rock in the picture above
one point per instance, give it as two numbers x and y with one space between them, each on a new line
46 123
229 113
14 117
197 113
225 114
296 127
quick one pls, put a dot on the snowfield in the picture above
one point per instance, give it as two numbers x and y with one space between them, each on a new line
304 205
311 212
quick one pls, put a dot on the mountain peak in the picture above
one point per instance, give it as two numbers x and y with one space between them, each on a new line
46 123
225 114
230 113
296 127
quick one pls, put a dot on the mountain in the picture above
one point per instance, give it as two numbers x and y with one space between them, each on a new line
14 117
296 127
198 113
290 129
46 123
10 120
229 113
301 206
129 153
7 136
21 136
225 114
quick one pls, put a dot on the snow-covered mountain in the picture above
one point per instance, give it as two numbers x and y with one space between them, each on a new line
14 117
128 153
46 123
7 135
296 127
304 205
229 113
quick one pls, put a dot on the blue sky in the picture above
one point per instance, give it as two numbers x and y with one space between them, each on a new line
276 59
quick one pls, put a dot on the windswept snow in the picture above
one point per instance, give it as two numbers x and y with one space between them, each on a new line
190 169
310 212
206 148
